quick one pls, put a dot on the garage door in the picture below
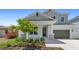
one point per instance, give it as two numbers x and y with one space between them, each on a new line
61 34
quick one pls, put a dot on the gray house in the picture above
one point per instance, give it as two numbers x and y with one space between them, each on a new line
2 31
52 24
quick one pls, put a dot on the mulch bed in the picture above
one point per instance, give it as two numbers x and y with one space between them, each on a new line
33 48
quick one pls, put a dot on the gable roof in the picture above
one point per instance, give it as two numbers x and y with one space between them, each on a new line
40 17
75 19
44 16
50 10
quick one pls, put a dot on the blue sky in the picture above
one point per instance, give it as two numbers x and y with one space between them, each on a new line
9 16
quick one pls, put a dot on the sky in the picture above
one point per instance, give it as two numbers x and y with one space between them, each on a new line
9 16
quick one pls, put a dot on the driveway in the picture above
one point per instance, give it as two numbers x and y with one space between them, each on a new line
66 44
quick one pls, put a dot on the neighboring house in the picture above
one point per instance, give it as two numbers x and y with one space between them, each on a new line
2 31
51 24
75 22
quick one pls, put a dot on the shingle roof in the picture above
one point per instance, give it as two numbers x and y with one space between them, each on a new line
75 19
40 17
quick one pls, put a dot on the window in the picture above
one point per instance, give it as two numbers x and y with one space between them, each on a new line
31 32
62 19
35 31
53 17
37 14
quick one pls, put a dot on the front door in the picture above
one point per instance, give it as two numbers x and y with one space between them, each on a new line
44 31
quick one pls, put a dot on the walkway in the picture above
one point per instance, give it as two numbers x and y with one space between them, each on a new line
66 44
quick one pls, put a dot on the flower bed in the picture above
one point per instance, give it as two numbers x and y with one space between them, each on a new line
22 43
30 44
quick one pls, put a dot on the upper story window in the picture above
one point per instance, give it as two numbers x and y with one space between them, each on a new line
37 14
62 19
54 17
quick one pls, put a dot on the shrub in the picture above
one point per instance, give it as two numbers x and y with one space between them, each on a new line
42 39
11 35
37 40
19 44
21 39
30 40
33 42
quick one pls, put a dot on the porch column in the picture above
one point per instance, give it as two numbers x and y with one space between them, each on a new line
50 32
51 29
40 31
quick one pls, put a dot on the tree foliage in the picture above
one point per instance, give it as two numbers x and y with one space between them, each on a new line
24 25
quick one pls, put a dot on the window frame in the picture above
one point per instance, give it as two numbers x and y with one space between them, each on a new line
62 20
35 32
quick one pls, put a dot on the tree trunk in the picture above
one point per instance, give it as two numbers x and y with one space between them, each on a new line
26 35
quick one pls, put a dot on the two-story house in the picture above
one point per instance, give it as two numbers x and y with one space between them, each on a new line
51 24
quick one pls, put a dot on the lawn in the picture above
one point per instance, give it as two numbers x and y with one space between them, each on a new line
3 40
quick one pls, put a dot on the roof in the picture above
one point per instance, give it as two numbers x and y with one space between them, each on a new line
75 19
54 11
39 17
50 10
2 27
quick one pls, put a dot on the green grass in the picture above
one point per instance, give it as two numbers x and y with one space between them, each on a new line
9 43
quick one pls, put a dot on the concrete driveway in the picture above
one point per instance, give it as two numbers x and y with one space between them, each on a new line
66 44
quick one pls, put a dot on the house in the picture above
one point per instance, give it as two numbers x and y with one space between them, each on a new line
7 33
75 22
52 24
2 31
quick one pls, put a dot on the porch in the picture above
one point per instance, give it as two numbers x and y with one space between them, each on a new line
45 29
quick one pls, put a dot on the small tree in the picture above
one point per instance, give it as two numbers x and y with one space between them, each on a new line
25 26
